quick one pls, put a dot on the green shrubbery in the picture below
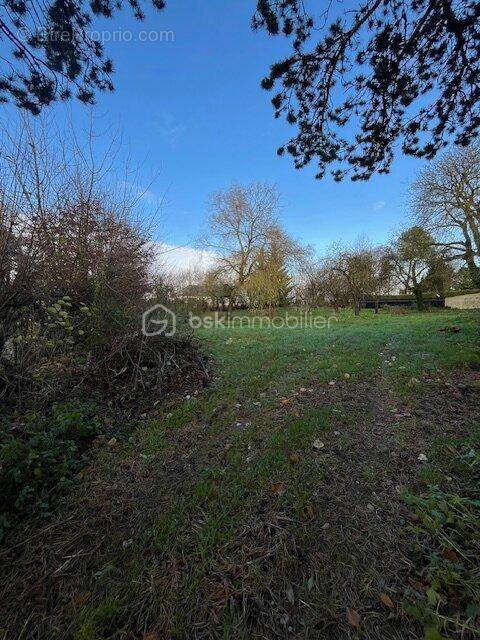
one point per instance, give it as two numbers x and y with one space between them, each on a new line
40 456
75 276
445 592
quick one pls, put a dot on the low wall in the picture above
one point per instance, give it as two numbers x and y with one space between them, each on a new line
466 301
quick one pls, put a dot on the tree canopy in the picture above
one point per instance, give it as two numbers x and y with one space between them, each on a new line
395 71
417 264
53 51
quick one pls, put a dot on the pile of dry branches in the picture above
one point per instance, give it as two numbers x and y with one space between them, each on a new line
149 367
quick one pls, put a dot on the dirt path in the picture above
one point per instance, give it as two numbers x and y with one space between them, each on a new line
358 553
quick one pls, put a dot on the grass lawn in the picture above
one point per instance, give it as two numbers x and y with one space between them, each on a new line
324 486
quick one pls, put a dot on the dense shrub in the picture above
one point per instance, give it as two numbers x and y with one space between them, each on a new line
40 456
42 354
75 276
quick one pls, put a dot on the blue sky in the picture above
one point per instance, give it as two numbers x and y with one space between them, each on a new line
191 111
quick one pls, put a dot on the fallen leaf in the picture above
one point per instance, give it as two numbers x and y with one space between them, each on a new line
278 488
353 618
449 554
332 383
151 635
311 512
386 600
346 376
285 400
318 444
294 458
422 457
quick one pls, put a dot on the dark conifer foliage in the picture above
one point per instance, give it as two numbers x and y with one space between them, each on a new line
53 53
361 82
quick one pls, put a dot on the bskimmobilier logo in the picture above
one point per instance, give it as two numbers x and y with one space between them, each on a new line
159 320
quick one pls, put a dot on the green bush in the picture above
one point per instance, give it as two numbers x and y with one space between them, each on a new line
445 593
41 457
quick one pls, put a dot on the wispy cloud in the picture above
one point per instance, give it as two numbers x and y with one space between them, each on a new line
179 258
379 205
169 128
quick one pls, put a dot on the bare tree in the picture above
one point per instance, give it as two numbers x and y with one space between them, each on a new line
240 223
254 251
64 229
324 286
355 266
382 272
446 201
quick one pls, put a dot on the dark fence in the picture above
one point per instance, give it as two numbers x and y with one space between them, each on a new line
404 302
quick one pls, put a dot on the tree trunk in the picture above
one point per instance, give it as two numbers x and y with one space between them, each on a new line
356 307
417 292
473 269
472 223
376 305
